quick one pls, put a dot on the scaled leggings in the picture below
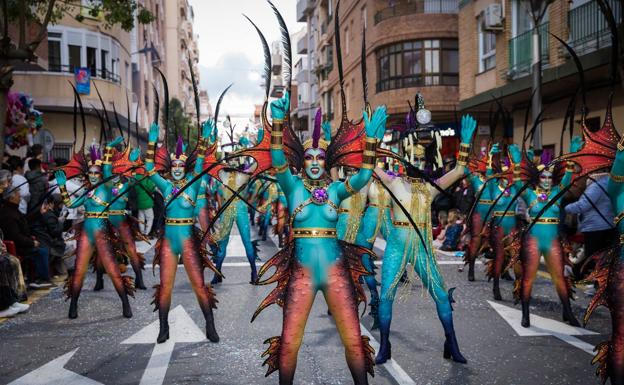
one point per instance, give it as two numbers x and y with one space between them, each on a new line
394 264
341 302
242 222
531 254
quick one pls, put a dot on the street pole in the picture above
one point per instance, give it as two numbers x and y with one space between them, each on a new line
536 101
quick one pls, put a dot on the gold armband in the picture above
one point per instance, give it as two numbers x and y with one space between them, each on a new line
617 178
570 166
277 138
348 187
278 121
108 155
463 147
516 172
620 145
282 168
65 195
151 172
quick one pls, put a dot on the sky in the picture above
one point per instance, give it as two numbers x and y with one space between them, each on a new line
230 50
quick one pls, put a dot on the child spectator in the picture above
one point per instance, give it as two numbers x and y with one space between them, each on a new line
453 231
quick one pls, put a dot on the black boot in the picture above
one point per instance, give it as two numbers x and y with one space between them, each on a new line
216 279
385 349
99 280
506 276
568 315
163 334
525 314
138 280
73 308
471 265
254 276
374 310
125 304
211 331
496 290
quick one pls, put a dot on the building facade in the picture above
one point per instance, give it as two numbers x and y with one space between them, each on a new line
411 46
496 51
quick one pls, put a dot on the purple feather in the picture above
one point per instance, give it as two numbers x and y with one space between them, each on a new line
94 153
179 147
316 134
546 157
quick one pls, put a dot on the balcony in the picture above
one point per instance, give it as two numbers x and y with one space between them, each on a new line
302 45
409 7
589 30
303 76
303 7
521 52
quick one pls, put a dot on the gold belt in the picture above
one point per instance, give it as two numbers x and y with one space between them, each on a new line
116 212
486 201
313 232
504 214
179 221
551 221
378 206
407 224
343 211
94 214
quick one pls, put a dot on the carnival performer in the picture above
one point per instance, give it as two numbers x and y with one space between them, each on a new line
315 259
504 234
542 238
478 227
236 212
95 234
377 219
180 239
126 227
405 247
269 196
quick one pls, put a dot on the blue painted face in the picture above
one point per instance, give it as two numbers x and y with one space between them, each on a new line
95 175
314 163
177 170
545 180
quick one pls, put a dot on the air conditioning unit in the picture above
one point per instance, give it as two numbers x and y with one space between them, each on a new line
493 18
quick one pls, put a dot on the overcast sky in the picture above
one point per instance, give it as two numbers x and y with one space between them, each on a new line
230 49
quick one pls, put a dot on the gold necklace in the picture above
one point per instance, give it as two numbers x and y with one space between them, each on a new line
317 189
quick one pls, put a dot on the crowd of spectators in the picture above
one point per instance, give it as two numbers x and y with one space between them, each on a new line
36 245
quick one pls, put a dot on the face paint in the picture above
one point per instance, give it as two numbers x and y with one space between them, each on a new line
95 175
545 180
177 170
314 163
419 163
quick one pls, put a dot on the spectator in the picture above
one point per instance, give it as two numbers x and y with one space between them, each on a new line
37 183
596 217
36 152
454 230
15 227
5 180
442 222
20 182
464 197
145 204
12 288
48 230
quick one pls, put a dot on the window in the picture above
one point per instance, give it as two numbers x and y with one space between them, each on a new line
54 55
417 63
74 56
104 63
347 40
91 60
487 47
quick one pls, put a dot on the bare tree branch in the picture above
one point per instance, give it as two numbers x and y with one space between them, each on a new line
44 27
22 24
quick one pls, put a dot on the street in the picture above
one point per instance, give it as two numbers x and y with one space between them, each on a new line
44 347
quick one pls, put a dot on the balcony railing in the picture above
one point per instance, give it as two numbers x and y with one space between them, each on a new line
68 69
589 30
396 82
521 51
408 7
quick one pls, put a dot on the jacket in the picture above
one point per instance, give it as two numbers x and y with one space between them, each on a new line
589 218
15 228
37 183
145 191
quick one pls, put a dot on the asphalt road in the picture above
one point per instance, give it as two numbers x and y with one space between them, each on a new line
495 352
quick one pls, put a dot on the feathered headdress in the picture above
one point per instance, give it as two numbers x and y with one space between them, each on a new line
95 156
179 154
316 141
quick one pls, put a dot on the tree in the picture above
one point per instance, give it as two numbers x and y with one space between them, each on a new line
16 49
179 124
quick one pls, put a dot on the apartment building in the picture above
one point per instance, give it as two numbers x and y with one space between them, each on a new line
411 46
71 44
496 51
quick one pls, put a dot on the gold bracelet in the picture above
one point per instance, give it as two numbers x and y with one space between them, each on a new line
348 187
620 145
276 146
370 140
368 166
368 159
149 152
282 168
370 146
151 172
279 121
369 153
276 140
465 147
277 133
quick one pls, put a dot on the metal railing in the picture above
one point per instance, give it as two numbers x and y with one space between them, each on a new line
589 30
95 73
521 51
408 7
396 82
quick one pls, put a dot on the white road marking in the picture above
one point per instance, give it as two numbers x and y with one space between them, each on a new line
54 373
182 329
541 326
393 368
